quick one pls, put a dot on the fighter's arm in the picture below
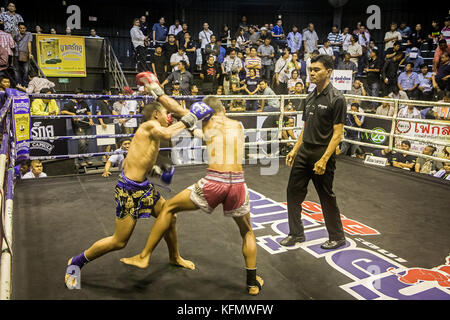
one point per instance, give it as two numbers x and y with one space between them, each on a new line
156 131
172 105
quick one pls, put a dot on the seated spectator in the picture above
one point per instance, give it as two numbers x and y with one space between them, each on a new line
44 107
442 77
358 90
409 112
326 49
442 48
272 105
251 88
285 148
293 81
383 153
180 55
427 166
386 109
37 83
5 83
403 160
413 56
356 121
36 171
408 81
425 83
347 64
116 160
444 173
443 113
398 94
21 169
296 103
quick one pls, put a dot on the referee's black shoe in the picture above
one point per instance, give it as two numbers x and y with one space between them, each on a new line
292 240
333 244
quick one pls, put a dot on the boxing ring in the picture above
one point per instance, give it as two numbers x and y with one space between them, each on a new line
394 222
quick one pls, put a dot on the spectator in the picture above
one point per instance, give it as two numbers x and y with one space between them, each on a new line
159 32
371 47
10 19
170 47
116 160
409 112
347 64
398 94
288 134
68 31
190 47
253 36
355 51
408 81
272 105
346 36
138 38
446 30
52 31
144 26
36 171
253 62
415 58
296 103
405 32
443 113
425 83
22 168
391 37
395 50
183 77
7 45
212 48
390 71
293 81
357 90
36 83
210 75
130 107
336 41
310 40
180 37
234 46
44 107
225 36
93 34
386 109
243 23
251 88
373 75
38 30
278 35
266 52
440 50
81 127
102 108
294 39
326 49
117 110
356 121
230 63
418 37
159 64
441 78
175 28
427 166
434 35
404 160
263 35
309 85
444 173
364 40
236 104
5 83
22 55
282 72
204 36
241 39
180 55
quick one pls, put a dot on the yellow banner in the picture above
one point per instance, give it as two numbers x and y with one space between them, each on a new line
61 56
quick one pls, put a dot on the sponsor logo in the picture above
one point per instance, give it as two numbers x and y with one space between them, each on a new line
403 126
374 272
378 138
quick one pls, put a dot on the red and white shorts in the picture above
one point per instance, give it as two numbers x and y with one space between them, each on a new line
226 188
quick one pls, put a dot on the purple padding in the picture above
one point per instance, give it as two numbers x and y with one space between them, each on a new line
105 97
10 185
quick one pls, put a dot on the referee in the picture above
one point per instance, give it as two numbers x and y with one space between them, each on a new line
313 156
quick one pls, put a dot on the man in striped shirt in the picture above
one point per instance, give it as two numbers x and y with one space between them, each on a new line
253 62
336 41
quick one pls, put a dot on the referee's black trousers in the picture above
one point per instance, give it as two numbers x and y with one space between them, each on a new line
301 173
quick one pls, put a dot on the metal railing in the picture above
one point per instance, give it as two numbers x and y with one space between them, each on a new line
113 67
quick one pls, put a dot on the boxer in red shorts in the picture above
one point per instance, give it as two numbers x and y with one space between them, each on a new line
223 184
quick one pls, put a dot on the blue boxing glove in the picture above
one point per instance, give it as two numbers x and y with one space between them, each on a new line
199 111
165 173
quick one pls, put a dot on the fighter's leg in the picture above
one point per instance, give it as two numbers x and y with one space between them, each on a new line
181 202
249 251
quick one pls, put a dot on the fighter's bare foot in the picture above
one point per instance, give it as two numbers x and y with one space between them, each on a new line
137 261
254 290
180 262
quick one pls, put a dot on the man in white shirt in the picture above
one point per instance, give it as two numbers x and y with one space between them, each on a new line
204 36
138 39
391 37
175 28
177 57
282 72
409 112
116 160
129 124
346 39
36 171
355 50
386 109
310 40
326 49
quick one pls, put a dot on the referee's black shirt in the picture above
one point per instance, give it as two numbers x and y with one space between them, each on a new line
320 113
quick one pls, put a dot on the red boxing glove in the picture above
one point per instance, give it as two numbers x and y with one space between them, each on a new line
146 77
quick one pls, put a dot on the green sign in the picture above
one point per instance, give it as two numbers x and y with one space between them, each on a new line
63 80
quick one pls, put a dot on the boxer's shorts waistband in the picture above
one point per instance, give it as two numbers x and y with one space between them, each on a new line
225 177
129 184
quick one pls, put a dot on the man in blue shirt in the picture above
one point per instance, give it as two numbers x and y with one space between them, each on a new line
278 35
160 32
408 81
413 55
336 41
425 83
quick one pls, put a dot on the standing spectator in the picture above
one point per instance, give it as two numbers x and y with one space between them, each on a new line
116 160
68 31
183 77
327 50
222 52
294 39
7 45
212 48
117 110
404 160
159 32
355 50
243 23
263 35
10 19
278 34
36 171
364 40
103 108
170 47
36 83
425 83
408 81
241 39
310 40
22 55
180 55
386 109
52 31
440 50
93 34
346 36
129 108
390 71
391 37
413 56
357 90
253 36
418 37
81 127
434 35
253 62
44 107
309 85
405 32
446 30
204 36
282 72
336 42
138 39
144 26
225 36
159 64
347 64
38 30
391 52
356 121
190 47
210 75
175 28
180 37
441 80
373 71
230 63
251 87
409 112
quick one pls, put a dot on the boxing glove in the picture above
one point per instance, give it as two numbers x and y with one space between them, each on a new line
198 111
165 172
150 82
